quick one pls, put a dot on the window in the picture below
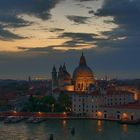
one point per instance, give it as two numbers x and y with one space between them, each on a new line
118 116
105 116
132 117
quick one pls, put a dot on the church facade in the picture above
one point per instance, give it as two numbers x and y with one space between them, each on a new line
82 79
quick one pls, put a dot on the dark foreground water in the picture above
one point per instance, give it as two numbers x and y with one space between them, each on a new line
84 130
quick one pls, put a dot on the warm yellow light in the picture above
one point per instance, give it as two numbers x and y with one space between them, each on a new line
64 113
39 113
69 88
99 114
125 116
64 123
99 125
136 96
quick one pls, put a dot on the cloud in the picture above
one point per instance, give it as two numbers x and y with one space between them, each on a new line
87 37
126 16
41 50
78 19
11 12
91 12
85 0
56 30
6 35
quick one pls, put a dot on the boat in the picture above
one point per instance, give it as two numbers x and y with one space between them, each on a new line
17 119
8 119
73 131
34 120
30 120
37 120
51 137
129 122
13 119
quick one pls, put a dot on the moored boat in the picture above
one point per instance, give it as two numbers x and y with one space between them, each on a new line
128 121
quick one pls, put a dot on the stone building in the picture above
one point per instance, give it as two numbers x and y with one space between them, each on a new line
82 80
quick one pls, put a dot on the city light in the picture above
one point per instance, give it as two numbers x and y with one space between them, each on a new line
124 116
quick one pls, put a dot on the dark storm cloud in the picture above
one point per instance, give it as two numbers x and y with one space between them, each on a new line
126 15
85 0
11 11
41 50
73 43
91 12
87 37
7 35
77 39
56 30
78 19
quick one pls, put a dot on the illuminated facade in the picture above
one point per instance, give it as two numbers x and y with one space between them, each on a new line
83 76
81 81
120 105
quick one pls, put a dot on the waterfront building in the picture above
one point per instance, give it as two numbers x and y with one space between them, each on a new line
91 104
93 98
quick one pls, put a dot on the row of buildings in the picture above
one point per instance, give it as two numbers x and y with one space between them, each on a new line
90 98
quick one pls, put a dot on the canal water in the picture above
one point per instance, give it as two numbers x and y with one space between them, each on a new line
61 130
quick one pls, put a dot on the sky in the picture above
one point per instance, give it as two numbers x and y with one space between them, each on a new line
37 34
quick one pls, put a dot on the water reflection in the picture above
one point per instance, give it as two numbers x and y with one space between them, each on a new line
61 129
99 126
64 122
125 128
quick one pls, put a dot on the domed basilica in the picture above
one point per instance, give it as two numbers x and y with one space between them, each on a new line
82 80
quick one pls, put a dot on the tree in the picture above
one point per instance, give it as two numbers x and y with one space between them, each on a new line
64 101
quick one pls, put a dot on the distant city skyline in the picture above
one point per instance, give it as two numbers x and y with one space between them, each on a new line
35 35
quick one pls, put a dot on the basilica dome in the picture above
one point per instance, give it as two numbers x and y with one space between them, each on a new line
82 70
83 76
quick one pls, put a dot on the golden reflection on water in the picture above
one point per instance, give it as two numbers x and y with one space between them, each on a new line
64 122
99 126
125 128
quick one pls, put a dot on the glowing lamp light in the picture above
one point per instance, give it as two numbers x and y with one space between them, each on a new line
125 116
99 114
64 113
136 96
15 112
39 113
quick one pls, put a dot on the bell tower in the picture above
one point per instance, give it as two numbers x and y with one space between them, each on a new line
54 78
